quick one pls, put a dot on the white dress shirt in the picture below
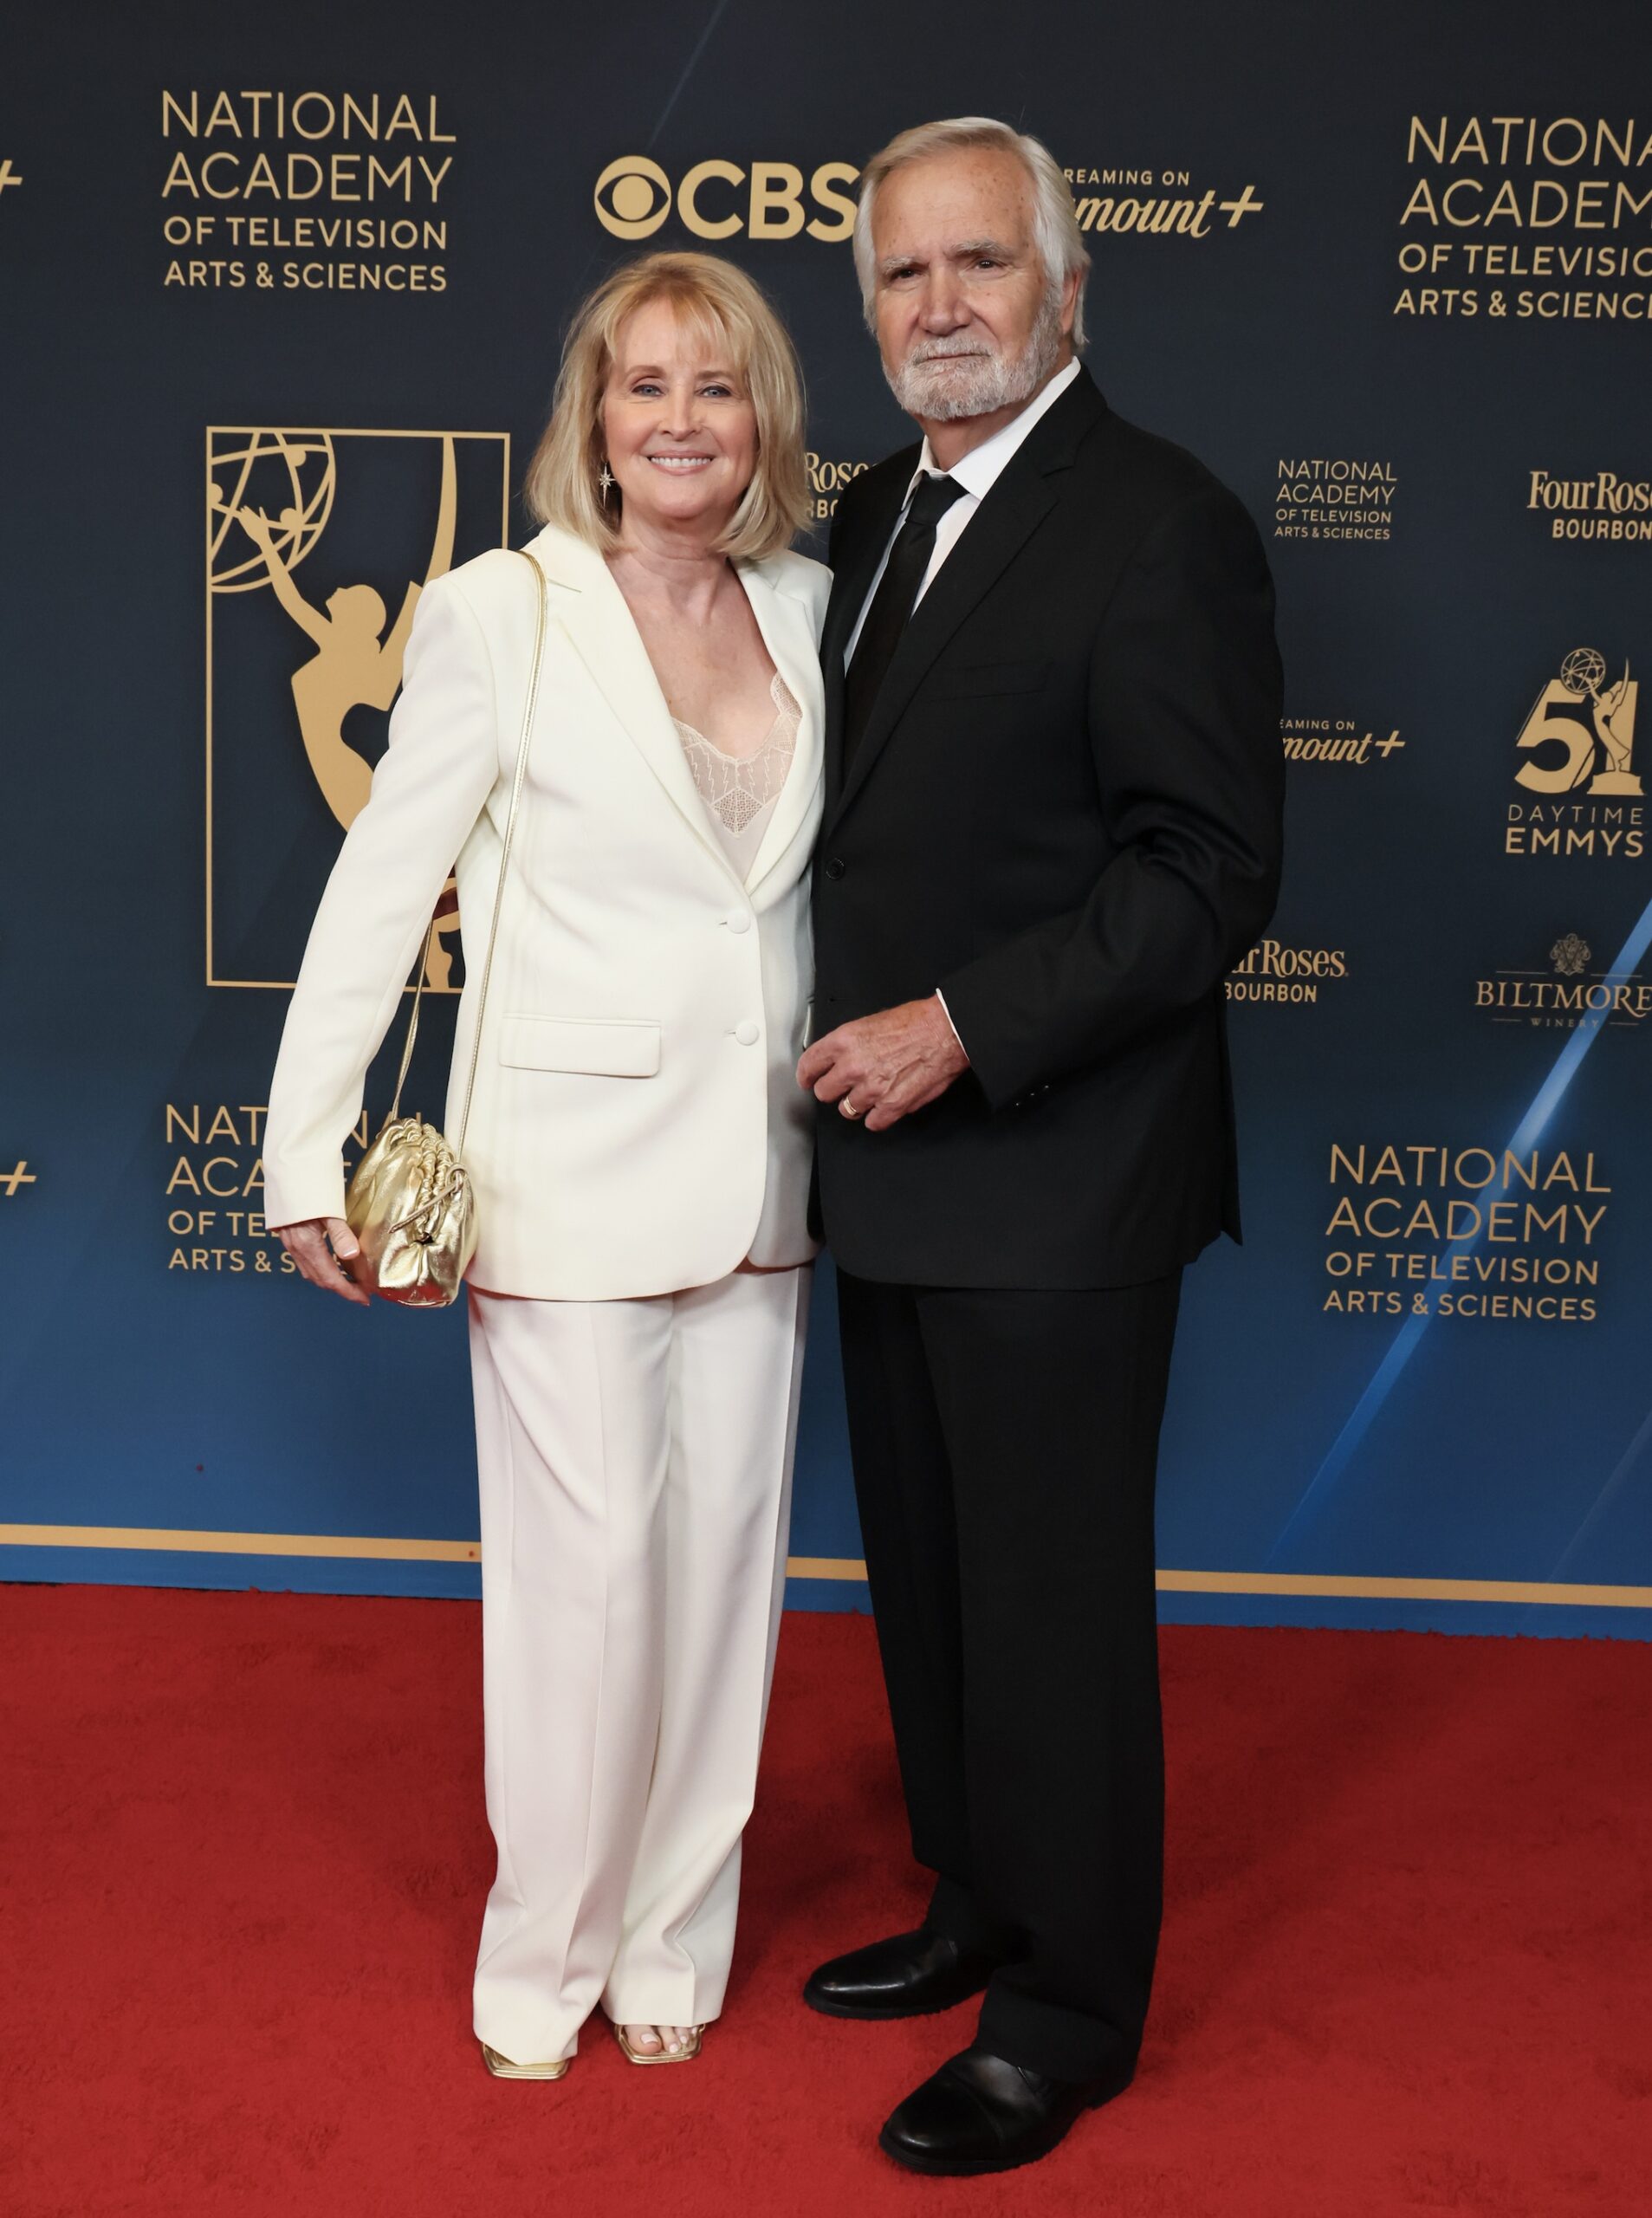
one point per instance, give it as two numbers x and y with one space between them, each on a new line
977 472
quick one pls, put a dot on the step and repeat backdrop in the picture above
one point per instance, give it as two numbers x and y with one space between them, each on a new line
282 304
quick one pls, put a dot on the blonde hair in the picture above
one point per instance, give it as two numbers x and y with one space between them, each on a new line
1055 221
723 307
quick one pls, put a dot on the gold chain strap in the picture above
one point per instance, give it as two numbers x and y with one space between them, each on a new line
499 889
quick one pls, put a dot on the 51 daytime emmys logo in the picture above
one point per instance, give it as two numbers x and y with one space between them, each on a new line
319 544
1577 743
716 199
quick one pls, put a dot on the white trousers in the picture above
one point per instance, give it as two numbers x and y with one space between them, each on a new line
636 1470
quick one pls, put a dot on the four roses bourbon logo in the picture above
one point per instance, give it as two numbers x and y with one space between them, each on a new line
319 544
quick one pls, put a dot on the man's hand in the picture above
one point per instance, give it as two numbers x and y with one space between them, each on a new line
884 1066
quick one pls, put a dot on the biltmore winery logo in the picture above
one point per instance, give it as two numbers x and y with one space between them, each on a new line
319 544
1565 991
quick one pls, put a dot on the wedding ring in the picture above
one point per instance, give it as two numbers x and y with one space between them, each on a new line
846 1108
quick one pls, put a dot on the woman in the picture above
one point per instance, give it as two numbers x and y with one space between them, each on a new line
638 1147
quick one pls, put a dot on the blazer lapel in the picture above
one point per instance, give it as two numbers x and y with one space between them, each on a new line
1008 517
783 619
850 586
594 615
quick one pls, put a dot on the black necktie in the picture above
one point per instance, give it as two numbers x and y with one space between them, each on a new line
892 605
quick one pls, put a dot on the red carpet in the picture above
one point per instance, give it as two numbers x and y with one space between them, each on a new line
1407 1964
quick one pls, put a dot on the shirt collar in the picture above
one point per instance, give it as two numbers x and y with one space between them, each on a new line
981 468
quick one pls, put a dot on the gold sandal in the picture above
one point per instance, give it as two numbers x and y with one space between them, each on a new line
683 2055
502 2068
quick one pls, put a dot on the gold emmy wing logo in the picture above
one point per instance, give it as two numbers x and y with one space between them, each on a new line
716 199
1580 734
272 497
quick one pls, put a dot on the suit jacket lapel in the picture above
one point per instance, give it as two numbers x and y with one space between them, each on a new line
850 586
1008 517
594 615
783 619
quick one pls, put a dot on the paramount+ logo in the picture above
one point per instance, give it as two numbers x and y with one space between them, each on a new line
718 199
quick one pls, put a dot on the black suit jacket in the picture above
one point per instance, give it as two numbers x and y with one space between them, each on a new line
1065 813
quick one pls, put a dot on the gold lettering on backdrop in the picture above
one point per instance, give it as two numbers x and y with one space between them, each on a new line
715 198
1273 972
1566 750
1324 739
1439 1245
223 175
242 164
1567 996
1602 505
212 1187
1174 210
826 481
1501 197
307 115
1334 498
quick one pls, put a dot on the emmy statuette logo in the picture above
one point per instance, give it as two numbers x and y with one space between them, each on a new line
312 538
1580 734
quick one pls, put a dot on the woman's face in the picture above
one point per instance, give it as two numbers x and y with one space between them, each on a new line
679 423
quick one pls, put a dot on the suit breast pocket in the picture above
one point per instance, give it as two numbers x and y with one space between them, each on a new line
973 681
616 1047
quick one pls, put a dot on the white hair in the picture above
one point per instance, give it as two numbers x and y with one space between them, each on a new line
1056 236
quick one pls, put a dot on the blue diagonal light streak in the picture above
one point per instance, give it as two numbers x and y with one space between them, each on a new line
689 68
1604 1501
1408 1338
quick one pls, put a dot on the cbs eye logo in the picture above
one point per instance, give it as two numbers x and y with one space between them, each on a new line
634 197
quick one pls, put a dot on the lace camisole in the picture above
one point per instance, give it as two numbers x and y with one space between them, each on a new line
739 791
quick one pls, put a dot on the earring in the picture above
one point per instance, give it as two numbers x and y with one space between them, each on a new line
605 481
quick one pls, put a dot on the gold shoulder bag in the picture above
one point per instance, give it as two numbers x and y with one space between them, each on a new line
410 1203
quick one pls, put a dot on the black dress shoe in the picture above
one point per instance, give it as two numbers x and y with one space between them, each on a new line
906 1977
981 2114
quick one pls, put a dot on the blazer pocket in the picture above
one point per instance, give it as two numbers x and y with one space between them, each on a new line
967 680
609 1047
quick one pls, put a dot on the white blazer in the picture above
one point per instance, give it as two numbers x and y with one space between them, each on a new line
636 1126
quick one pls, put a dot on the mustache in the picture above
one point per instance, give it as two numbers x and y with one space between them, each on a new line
937 350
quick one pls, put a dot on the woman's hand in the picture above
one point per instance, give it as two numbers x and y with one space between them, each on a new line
324 1248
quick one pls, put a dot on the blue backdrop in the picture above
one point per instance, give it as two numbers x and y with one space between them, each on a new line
1388 268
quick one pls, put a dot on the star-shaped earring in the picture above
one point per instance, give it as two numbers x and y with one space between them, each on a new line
605 481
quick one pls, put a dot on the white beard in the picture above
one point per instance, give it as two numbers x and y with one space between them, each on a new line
978 384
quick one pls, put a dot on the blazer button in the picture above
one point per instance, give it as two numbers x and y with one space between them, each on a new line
737 921
747 1034
836 866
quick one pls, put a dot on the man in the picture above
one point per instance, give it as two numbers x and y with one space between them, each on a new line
1053 825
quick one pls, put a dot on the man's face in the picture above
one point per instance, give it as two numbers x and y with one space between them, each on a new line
966 319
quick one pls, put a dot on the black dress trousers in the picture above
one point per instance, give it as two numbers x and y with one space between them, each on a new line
1005 1444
